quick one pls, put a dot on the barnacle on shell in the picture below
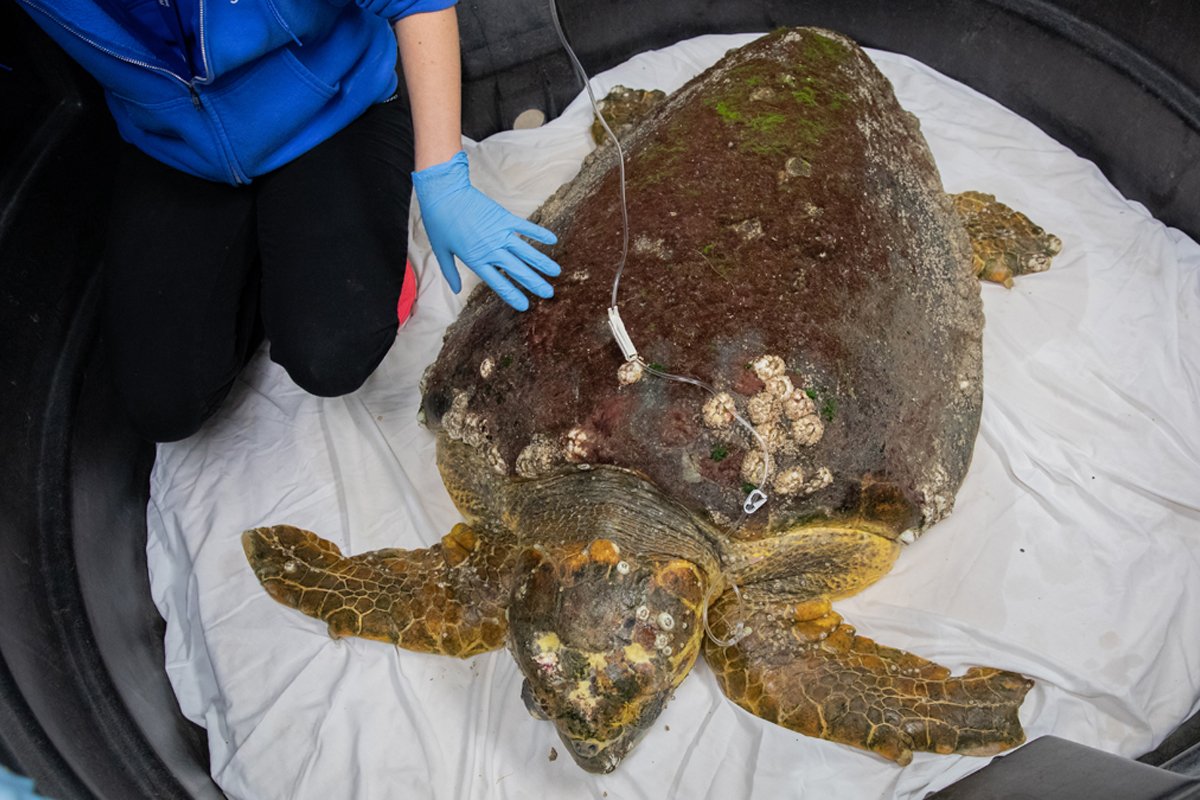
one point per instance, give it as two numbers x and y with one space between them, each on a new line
719 411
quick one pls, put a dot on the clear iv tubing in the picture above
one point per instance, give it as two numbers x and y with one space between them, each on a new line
758 497
587 84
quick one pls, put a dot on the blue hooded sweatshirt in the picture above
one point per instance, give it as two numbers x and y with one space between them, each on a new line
271 78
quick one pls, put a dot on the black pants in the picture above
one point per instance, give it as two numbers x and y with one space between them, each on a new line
318 246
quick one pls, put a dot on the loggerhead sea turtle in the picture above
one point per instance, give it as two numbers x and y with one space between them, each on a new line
793 249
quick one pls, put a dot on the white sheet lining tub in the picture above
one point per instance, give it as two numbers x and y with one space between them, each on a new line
1073 555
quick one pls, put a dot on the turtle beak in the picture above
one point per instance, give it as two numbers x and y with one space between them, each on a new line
602 758
592 758
603 638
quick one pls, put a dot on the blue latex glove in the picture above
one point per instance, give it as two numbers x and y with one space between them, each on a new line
462 221
14 787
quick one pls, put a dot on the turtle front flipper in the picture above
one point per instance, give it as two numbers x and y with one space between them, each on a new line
801 667
446 599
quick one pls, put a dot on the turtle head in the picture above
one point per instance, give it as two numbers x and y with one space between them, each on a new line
603 638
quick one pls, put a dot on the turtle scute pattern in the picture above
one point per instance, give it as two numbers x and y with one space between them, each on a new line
446 599
808 671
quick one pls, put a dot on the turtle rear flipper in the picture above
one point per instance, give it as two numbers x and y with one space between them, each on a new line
803 668
446 599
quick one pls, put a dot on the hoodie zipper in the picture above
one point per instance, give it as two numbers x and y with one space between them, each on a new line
203 47
235 169
102 48
234 172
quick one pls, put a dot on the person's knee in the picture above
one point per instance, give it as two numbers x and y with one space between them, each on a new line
167 415
331 366
164 427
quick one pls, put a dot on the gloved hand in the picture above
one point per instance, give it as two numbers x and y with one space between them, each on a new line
463 221
14 787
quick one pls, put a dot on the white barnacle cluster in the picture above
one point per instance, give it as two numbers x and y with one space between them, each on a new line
629 372
790 480
578 445
474 429
785 418
496 460
661 624
794 480
539 457
544 454
452 420
466 426
819 480
808 430
752 465
719 411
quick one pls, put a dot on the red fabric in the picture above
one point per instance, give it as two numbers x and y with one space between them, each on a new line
408 293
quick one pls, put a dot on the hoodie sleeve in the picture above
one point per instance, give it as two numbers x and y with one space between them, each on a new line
392 10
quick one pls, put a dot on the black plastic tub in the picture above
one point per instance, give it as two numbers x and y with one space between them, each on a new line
85 707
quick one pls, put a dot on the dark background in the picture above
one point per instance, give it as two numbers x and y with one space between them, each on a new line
85 706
